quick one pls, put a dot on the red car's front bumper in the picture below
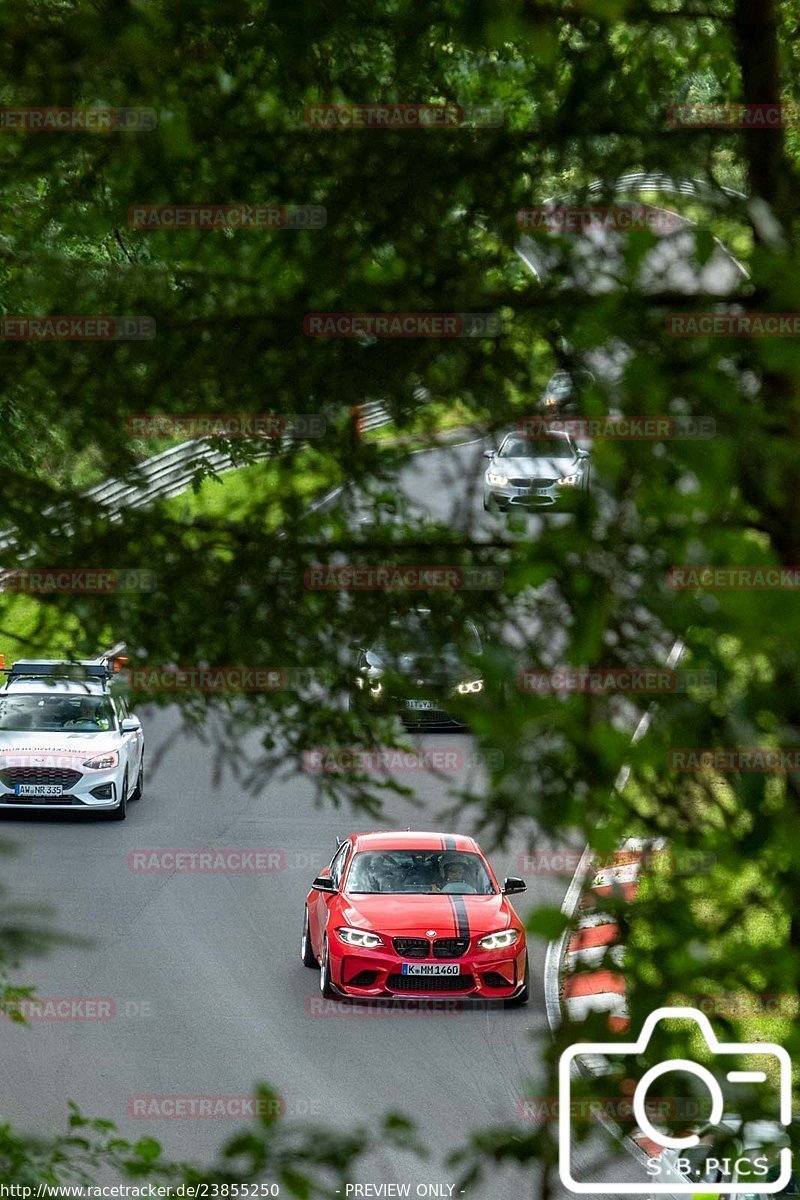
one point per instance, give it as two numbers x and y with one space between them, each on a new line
498 974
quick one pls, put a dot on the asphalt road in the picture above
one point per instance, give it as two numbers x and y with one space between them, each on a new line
203 970
204 973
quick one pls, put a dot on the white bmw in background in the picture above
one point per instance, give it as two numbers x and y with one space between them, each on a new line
67 741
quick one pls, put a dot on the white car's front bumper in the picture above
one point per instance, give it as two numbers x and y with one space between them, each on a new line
88 790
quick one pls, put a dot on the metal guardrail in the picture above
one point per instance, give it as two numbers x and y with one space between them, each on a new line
172 471
643 181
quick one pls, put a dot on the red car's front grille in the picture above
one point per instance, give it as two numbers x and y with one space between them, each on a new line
450 947
409 947
430 983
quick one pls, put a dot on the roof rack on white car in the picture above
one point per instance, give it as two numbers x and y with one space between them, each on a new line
103 667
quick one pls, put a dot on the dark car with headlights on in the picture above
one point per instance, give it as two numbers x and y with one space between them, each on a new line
562 392
534 472
416 675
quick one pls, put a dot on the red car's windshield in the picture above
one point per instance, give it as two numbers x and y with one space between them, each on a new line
457 873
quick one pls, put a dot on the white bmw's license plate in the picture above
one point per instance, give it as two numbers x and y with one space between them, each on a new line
418 704
431 969
541 491
38 789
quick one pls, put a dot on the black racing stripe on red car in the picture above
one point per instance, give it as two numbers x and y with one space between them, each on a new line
449 843
461 915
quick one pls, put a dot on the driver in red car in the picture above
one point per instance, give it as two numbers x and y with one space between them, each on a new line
454 873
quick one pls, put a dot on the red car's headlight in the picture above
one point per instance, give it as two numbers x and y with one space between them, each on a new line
499 941
359 937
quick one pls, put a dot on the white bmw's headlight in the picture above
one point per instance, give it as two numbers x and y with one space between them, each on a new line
568 481
499 941
103 762
359 937
465 688
550 401
496 478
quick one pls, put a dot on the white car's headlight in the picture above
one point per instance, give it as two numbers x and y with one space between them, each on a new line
568 481
499 941
359 937
103 762
550 401
465 688
496 478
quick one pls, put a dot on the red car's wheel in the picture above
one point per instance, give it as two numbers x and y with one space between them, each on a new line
307 950
325 972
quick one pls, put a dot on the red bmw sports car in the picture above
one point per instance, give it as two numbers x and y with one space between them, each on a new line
422 914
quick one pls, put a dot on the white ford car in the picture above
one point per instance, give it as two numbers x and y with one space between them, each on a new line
67 741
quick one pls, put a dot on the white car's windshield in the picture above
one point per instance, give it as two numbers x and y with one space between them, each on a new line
453 872
37 713
520 447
